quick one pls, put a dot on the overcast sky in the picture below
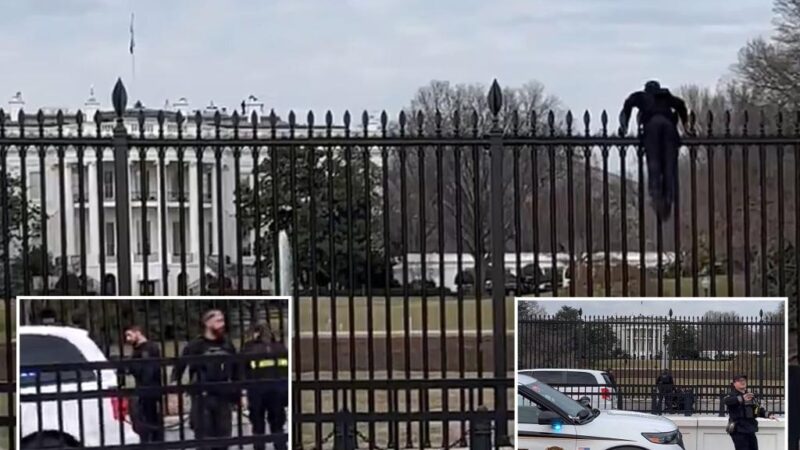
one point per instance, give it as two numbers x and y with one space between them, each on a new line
661 307
369 54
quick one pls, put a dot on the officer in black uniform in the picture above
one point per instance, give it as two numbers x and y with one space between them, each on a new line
658 116
211 406
146 411
743 409
271 399
665 386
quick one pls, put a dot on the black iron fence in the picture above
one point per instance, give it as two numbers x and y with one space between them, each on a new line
681 365
7 373
76 375
406 235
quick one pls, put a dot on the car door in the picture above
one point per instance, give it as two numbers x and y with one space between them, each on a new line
77 417
532 435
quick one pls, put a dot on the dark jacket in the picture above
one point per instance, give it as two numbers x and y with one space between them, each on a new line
146 373
271 364
742 412
665 382
209 371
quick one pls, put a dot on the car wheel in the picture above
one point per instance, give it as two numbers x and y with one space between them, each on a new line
41 442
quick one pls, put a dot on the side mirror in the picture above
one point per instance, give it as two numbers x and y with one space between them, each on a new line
548 418
585 402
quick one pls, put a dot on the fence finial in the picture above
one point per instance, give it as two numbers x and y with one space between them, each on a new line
119 98
670 312
495 98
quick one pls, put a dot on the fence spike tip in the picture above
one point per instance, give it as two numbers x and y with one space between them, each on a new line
495 98
119 98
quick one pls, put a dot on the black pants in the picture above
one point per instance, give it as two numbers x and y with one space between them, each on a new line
661 145
146 418
745 441
210 417
267 407
665 399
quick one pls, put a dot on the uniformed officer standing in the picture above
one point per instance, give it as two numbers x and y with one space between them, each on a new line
210 414
743 409
268 400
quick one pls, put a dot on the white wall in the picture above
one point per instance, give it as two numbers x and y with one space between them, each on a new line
708 433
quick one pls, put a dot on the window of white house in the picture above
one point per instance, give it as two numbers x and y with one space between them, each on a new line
139 241
108 184
111 241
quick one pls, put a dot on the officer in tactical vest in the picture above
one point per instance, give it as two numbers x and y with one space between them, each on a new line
270 399
210 413
743 409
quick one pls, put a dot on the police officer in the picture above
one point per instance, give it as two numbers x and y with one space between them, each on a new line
665 385
146 411
270 400
210 413
743 409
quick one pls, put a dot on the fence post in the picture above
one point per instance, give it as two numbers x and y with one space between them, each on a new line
344 431
495 100
480 432
722 403
122 194
794 406
760 353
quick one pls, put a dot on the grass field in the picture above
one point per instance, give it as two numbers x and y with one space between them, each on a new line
3 430
472 311
669 287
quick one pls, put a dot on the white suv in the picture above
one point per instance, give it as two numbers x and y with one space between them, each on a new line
90 422
548 419
596 385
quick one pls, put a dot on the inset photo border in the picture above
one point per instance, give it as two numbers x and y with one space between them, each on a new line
147 372
648 372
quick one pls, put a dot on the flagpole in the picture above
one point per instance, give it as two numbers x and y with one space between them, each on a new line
133 56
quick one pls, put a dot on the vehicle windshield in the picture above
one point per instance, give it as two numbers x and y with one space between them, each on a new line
37 350
569 406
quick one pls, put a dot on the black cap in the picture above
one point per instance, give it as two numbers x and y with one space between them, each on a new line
739 376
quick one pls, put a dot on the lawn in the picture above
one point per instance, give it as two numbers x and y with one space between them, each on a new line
4 438
472 311
669 287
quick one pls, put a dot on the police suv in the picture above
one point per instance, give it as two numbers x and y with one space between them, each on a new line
596 385
550 420
69 423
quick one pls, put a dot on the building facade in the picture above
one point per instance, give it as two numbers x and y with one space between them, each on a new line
97 203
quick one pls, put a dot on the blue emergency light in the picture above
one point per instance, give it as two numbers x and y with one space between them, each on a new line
556 425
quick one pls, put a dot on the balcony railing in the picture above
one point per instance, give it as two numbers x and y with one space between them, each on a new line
139 257
175 196
137 195
176 258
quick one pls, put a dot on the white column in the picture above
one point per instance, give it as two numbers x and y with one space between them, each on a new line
194 204
157 233
93 245
214 209
69 210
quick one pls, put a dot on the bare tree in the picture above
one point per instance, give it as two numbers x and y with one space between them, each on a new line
451 186
772 67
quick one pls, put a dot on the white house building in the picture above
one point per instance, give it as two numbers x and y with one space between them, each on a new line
151 210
